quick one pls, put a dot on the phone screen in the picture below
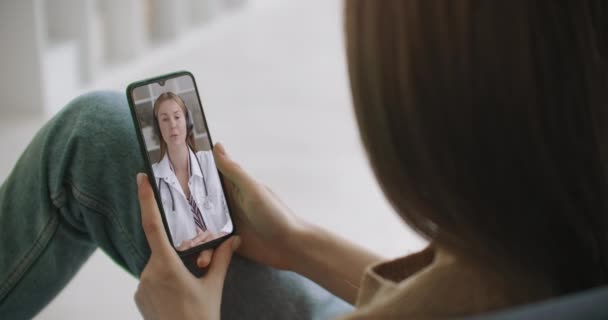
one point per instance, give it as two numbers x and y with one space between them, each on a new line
178 145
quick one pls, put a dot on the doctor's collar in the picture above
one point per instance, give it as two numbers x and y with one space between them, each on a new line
164 166
195 163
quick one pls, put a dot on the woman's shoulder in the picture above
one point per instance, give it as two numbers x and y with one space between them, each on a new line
436 284
158 163
204 154
161 168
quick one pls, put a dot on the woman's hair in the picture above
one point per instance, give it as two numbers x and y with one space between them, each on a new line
190 134
486 124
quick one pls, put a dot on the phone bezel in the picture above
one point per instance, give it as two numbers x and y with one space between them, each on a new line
142 145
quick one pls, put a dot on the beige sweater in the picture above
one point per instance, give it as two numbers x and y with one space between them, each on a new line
433 284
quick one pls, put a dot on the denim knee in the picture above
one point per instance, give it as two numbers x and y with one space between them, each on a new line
101 126
96 157
103 120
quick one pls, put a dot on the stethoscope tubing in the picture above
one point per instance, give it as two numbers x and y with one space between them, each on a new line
171 192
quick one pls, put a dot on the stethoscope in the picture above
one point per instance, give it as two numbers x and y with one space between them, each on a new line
206 203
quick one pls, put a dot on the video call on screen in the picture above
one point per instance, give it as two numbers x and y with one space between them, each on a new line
179 149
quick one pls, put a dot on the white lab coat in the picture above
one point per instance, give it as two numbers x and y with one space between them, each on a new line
181 221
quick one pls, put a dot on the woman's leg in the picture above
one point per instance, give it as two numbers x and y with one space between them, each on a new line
74 189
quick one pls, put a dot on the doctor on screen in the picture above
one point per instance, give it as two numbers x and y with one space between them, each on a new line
187 179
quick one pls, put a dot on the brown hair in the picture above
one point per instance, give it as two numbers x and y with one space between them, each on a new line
190 137
486 124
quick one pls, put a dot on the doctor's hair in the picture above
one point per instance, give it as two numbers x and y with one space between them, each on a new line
189 126
486 125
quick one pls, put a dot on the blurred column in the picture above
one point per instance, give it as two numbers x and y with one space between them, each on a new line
202 11
60 74
20 30
169 19
233 3
125 28
75 21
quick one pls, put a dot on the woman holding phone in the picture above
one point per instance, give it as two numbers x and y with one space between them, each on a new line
187 179
484 121
72 192
485 124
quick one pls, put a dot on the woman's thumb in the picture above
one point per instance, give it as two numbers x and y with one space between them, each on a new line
229 168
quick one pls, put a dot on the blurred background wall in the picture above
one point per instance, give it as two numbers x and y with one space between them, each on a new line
273 82
54 49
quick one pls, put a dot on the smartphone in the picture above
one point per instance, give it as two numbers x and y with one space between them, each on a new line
177 149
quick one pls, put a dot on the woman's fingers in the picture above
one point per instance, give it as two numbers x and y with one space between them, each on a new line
184 245
202 237
150 218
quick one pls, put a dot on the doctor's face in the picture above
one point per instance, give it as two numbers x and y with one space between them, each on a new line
172 123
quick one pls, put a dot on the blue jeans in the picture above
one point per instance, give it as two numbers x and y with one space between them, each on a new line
74 190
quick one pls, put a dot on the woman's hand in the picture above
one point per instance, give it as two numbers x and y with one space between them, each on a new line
267 227
167 290
272 235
